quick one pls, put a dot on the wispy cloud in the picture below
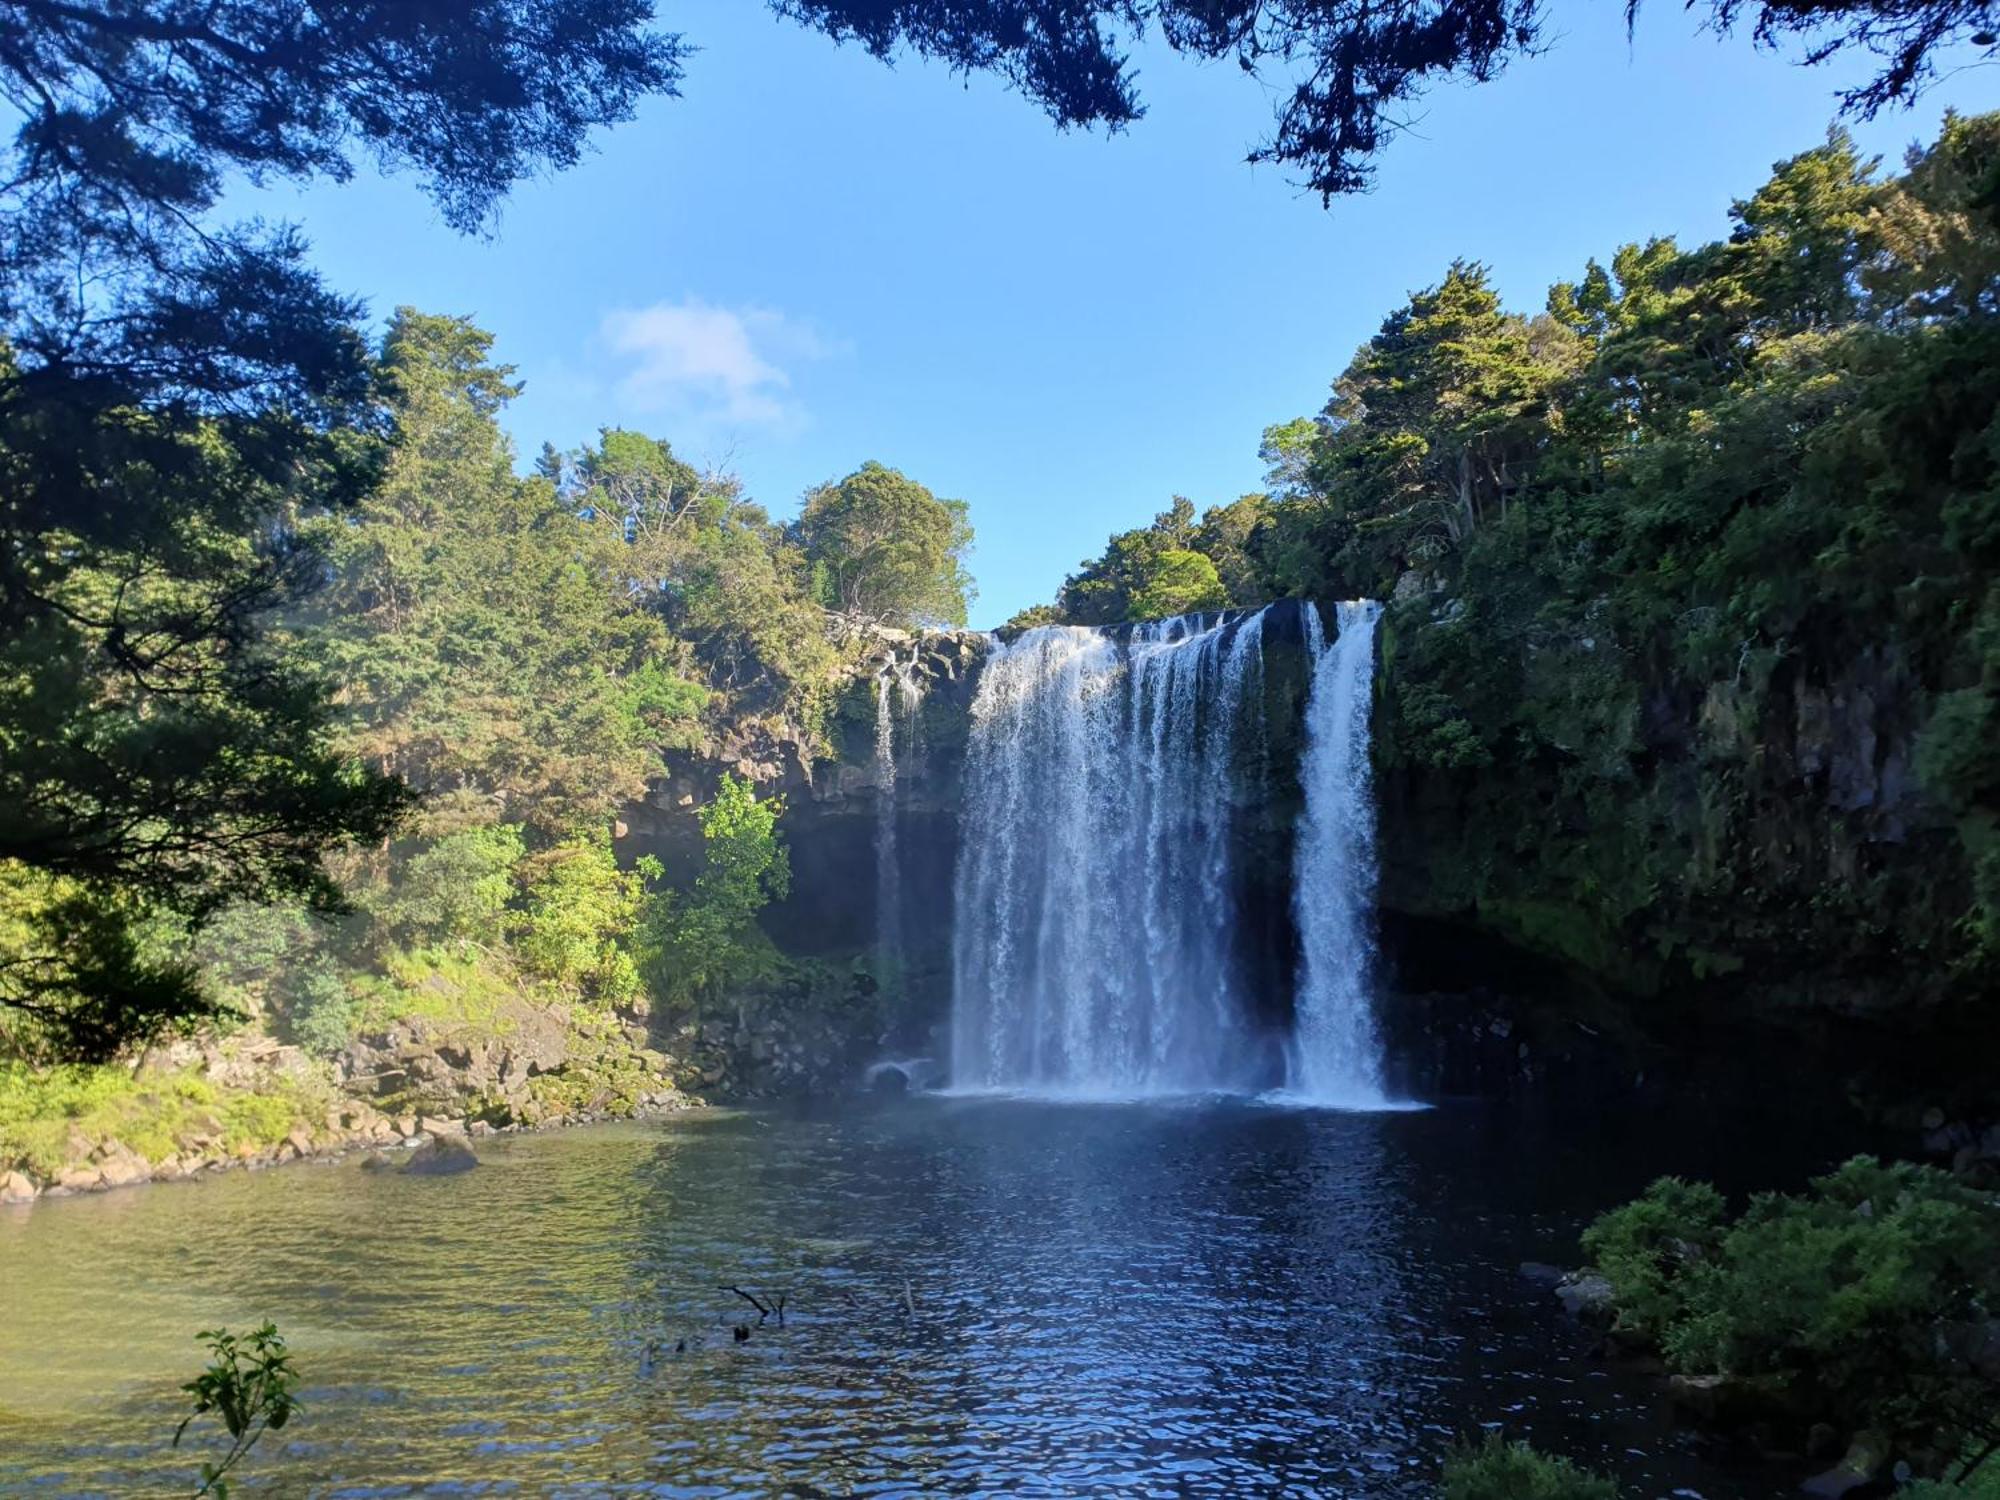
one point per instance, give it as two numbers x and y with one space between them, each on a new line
711 366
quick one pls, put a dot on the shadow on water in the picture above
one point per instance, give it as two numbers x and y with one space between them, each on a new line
1203 1298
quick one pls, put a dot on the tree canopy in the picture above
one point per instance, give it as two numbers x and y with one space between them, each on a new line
178 402
884 548
1344 73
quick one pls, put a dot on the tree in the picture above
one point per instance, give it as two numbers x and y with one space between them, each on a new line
174 397
1177 582
884 548
1638 542
1434 426
489 641
1345 72
1864 1300
1177 565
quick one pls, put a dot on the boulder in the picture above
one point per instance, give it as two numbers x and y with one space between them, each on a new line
1863 1461
119 1165
375 1161
1587 1296
17 1187
301 1141
83 1179
431 1126
440 1156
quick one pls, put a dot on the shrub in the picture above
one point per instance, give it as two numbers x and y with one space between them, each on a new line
456 888
1861 1296
580 908
1646 1249
1500 1470
323 1014
1864 1300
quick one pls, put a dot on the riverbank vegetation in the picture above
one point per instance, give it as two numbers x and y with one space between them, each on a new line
1495 1469
1864 1306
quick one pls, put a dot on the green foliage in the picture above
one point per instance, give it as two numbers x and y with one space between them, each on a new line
1976 1478
324 1015
249 1387
699 942
43 1110
884 548
1647 1247
176 397
1864 1299
1178 565
88 970
1686 573
486 629
1033 616
580 909
1177 582
455 888
1499 1470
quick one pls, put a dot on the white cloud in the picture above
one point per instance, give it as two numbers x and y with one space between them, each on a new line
710 365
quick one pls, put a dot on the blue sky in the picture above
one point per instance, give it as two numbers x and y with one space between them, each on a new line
808 260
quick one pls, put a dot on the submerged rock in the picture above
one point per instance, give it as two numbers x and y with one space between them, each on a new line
440 1156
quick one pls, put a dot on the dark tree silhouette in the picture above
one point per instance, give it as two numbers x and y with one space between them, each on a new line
1347 70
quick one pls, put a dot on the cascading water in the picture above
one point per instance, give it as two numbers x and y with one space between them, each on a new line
1111 907
896 682
1093 942
1335 1056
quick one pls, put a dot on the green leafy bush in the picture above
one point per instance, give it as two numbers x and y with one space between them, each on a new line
1500 1470
1646 1248
1864 1301
700 941
580 909
324 1014
456 888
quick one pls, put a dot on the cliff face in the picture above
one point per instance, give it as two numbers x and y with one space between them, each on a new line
1757 844
833 823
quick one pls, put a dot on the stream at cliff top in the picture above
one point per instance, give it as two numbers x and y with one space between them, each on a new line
1219 1299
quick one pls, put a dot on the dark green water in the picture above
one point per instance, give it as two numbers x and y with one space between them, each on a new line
1222 1300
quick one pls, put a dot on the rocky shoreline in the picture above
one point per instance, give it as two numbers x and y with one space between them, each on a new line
351 1126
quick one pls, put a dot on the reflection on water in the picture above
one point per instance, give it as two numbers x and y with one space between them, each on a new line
1218 1300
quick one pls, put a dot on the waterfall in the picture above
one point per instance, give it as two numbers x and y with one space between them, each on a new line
1335 1054
1094 940
897 681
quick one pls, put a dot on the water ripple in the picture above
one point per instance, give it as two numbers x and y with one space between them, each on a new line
982 1298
